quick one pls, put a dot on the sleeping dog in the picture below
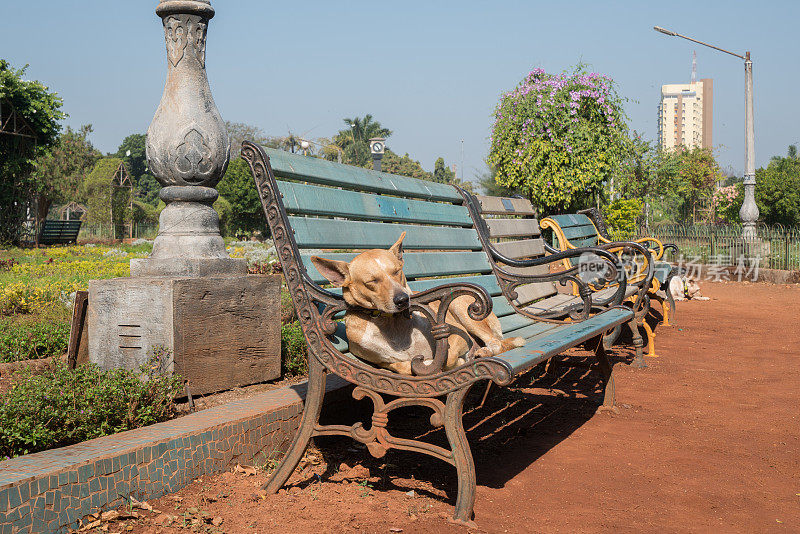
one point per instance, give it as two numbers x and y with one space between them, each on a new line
380 328
683 288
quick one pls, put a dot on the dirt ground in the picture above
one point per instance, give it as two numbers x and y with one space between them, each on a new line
707 440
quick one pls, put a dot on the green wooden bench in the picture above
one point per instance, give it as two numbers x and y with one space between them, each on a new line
510 232
319 207
59 232
579 230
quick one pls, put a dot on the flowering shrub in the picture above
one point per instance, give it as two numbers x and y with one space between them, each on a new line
558 137
61 406
34 279
726 203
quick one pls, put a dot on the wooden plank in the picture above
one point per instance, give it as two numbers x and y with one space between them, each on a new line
579 232
342 234
513 227
510 323
320 171
558 300
77 330
332 202
531 292
568 220
585 242
505 206
524 248
417 264
488 282
558 340
535 329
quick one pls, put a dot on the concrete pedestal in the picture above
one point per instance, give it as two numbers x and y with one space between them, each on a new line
223 331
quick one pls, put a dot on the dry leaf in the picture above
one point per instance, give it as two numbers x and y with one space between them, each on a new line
111 515
217 521
246 470
90 526
395 529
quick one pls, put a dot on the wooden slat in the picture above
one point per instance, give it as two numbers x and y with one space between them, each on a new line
328 201
525 248
579 232
586 242
513 227
488 282
510 323
341 234
530 292
535 329
555 341
500 206
418 264
569 220
558 300
320 171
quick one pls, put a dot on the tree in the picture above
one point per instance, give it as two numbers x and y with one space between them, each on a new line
778 190
132 151
488 182
239 132
559 138
40 111
245 206
402 165
441 173
61 169
354 140
105 202
697 179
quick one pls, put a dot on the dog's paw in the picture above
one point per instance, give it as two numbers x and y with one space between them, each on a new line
517 341
484 352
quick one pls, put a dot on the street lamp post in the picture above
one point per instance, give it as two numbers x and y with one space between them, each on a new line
749 211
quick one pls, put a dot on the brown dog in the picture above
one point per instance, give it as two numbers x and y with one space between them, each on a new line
380 330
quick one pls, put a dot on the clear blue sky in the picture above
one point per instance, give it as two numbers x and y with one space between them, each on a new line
430 71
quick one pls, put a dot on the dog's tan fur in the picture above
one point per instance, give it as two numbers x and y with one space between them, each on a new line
379 329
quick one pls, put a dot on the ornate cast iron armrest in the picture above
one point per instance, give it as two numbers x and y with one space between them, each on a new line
445 294
671 246
640 277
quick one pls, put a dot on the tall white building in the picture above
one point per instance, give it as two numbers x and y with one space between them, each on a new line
685 114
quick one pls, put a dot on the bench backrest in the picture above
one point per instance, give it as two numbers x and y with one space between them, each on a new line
514 232
59 232
578 229
338 210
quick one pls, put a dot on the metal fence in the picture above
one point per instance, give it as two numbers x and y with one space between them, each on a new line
777 247
106 231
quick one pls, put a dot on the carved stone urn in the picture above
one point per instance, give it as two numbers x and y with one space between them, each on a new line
188 152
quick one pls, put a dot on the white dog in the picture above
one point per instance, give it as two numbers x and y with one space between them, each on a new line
683 288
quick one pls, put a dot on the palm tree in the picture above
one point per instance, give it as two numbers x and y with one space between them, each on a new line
354 139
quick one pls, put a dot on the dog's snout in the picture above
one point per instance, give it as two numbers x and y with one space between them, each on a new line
401 300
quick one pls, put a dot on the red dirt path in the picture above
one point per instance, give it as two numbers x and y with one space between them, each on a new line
707 440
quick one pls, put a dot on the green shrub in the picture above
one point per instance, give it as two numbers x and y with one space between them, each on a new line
60 406
31 340
623 215
294 352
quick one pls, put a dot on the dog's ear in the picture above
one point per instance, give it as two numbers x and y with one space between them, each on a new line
337 272
397 248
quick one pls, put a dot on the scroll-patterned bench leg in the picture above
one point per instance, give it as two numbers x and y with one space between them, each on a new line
607 370
638 343
311 410
462 455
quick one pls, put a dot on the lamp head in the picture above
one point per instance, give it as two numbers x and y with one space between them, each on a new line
665 31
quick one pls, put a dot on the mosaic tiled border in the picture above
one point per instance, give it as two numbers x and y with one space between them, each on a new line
50 491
